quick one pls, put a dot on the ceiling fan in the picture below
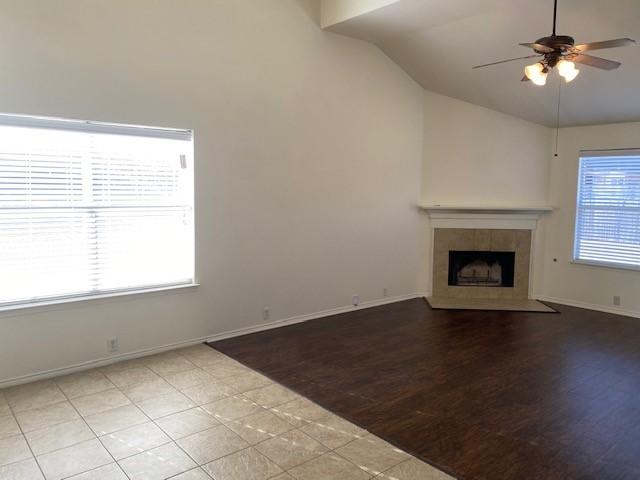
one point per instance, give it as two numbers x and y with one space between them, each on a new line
561 52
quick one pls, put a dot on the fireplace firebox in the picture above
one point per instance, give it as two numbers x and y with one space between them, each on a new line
481 268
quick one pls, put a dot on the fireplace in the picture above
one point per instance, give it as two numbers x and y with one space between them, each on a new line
482 258
468 268
481 263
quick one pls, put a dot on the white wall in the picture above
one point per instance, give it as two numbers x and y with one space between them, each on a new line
479 157
580 284
308 159
336 11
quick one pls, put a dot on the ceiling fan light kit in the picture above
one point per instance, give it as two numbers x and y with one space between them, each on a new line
561 52
567 69
537 73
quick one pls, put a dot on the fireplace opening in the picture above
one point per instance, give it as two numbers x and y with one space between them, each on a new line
481 269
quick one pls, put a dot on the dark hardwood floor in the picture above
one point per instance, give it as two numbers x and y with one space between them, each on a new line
481 395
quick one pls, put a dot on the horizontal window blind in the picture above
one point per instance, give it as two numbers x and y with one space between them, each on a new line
92 210
608 209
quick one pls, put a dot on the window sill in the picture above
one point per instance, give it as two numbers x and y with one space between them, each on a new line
614 266
48 302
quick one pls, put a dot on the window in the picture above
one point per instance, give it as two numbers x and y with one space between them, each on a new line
89 208
608 209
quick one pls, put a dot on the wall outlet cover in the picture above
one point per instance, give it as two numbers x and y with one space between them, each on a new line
112 345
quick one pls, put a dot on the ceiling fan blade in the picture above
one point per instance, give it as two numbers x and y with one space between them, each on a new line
537 47
597 62
505 61
618 42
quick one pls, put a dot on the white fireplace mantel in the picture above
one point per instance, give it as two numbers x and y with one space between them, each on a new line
492 217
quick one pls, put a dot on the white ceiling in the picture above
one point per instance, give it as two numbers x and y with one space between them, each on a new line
438 41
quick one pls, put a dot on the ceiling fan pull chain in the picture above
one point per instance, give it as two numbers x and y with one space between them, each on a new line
558 119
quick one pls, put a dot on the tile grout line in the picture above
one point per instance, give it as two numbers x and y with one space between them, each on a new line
171 439
192 470
383 474
222 424
175 441
68 400
334 451
35 459
24 434
92 430
153 421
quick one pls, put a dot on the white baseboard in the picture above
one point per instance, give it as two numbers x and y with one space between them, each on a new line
312 316
101 362
589 306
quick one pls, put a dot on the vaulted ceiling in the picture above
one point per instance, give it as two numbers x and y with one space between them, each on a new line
438 41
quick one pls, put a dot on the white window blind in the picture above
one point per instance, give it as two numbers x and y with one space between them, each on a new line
89 208
608 209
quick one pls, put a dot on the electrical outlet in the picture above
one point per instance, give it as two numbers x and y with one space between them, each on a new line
384 292
616 300
266 313
112 345
355 300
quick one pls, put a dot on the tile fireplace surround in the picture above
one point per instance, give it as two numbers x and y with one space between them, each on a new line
481 239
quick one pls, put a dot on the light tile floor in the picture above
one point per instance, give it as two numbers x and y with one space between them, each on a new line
189 414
